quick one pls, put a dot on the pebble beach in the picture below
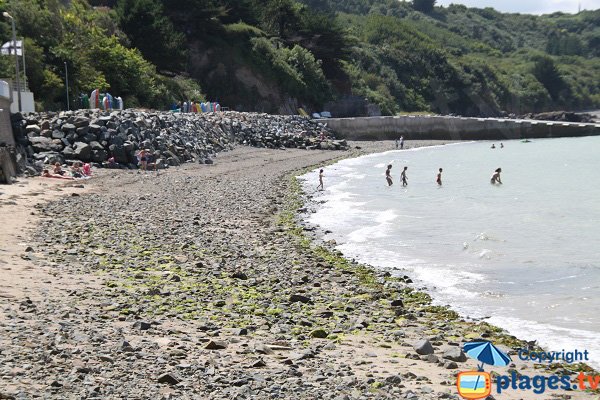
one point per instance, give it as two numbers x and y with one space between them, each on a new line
200 282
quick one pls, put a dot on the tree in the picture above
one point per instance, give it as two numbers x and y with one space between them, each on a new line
324 36
195 17
425 6
151 32
548 75
279 15
240 10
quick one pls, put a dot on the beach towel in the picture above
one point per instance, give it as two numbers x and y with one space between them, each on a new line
55 176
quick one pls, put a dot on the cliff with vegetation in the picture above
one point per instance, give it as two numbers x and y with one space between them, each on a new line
279 55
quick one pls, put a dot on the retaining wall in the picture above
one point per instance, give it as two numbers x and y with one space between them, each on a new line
454 128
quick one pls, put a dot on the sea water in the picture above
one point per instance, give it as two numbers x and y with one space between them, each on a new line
524 254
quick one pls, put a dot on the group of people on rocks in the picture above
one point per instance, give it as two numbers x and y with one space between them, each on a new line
78 170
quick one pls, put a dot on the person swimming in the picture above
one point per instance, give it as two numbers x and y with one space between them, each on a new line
496 177
501 145
388 175
493 146
320 180
404 177
439 178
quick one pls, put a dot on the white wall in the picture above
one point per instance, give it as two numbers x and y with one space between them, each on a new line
27 102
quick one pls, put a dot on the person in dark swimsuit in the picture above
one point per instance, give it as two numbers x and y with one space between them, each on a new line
388 175
404 177
496 177
439 178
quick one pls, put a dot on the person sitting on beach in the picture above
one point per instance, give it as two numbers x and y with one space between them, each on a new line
76 171
46 174
151 162
439 178
87 169
404 177
320 180
388 175
112 163
496 177
58 169
501 145
493 146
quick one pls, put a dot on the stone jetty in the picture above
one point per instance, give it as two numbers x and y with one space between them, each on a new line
171 138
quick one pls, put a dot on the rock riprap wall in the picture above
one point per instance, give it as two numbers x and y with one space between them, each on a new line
171 138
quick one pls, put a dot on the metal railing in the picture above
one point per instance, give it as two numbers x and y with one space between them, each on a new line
13 84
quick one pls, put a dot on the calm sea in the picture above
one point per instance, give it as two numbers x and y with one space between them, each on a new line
524 254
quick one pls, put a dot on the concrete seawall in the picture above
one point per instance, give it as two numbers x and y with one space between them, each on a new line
454 128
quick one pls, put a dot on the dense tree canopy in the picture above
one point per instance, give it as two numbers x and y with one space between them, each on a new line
263 54
425 6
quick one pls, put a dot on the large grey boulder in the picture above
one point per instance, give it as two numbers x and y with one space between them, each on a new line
68 128
83 151
423 347
41 144
455 354
119 153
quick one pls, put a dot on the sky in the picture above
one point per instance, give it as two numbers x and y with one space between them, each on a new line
528 6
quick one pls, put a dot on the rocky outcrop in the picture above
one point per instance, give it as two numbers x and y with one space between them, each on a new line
565 116
171 138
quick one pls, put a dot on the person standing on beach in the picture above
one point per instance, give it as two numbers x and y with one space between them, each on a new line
143 159
404 177
320 180
388 175
401 142
396 143
496 177
439 178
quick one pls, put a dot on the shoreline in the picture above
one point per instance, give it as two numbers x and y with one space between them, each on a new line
318 234
206 284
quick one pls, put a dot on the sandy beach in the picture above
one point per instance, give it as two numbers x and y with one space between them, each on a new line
201 283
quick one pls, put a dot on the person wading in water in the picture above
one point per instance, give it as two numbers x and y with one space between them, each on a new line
320 180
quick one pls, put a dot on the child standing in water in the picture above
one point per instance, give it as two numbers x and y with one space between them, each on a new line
496 177
320 180
439 178
404 178
388 175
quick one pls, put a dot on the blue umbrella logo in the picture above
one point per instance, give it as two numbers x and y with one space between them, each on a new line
486 353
